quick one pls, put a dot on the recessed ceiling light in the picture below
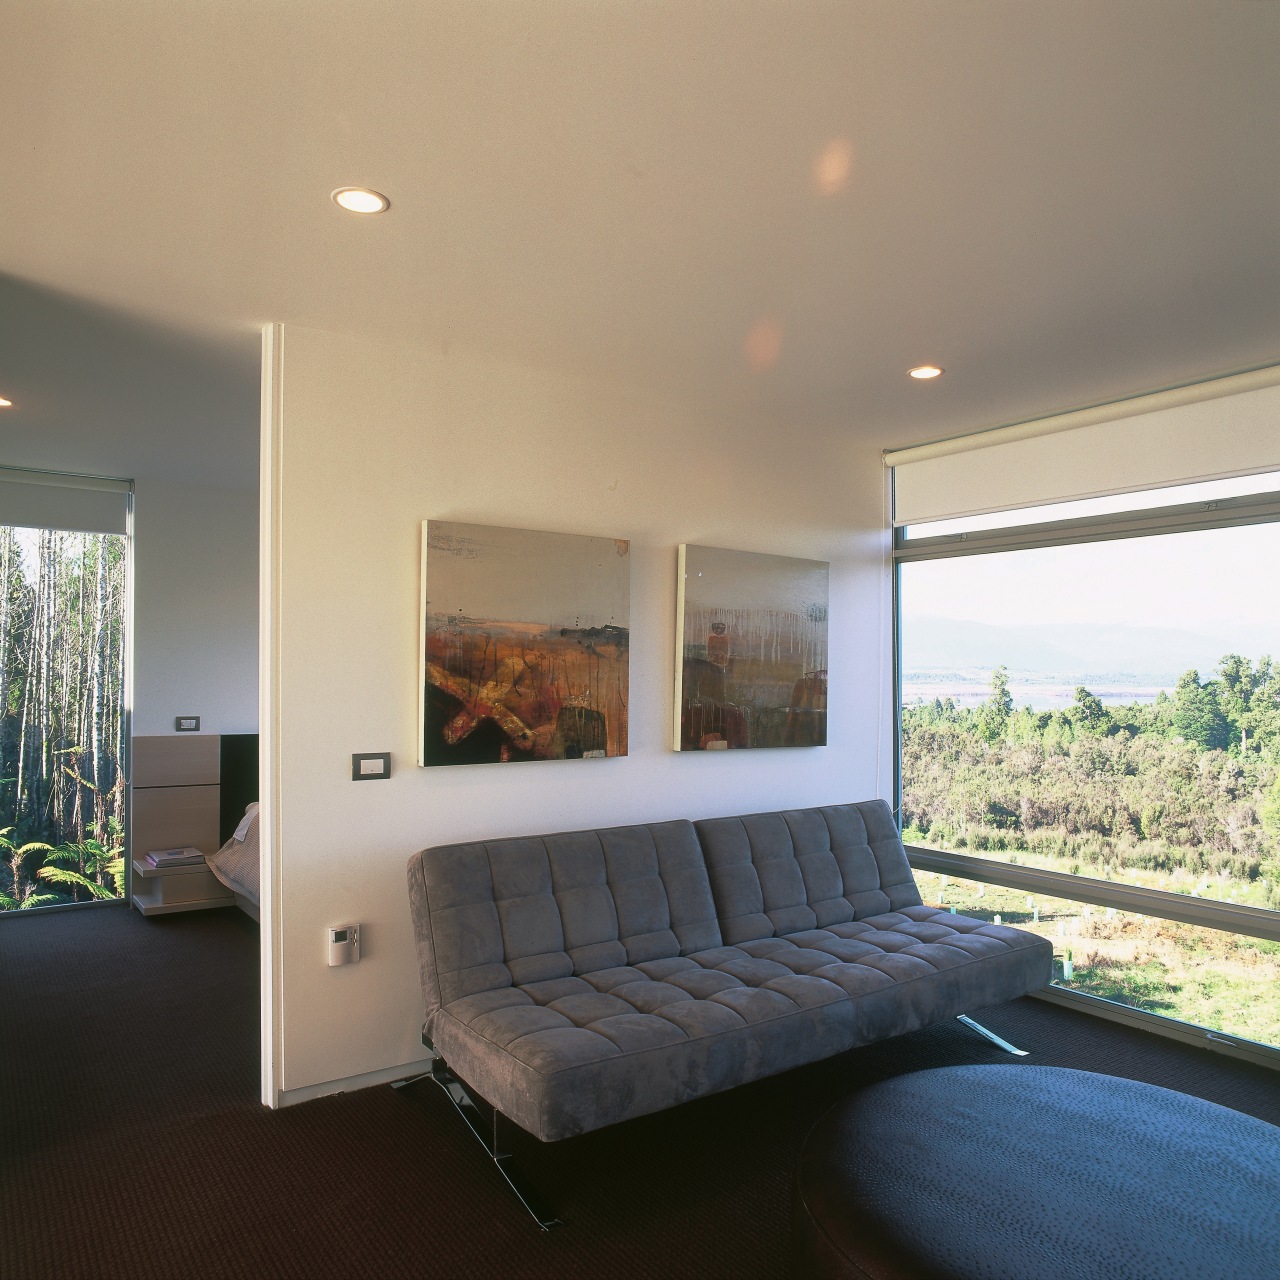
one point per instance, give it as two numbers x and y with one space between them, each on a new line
926 371
5 404
361 200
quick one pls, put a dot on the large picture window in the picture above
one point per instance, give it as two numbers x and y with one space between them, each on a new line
1096 697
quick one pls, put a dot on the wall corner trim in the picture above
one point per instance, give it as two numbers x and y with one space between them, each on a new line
269 908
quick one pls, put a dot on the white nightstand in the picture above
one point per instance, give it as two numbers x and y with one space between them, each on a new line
158 891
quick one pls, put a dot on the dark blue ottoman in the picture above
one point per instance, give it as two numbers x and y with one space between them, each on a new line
1018 1173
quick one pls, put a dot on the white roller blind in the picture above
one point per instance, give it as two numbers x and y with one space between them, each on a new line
1228 427
43 500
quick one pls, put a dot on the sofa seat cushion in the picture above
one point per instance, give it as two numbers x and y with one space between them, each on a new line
593 1048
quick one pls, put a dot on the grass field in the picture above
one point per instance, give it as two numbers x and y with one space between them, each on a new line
1217 980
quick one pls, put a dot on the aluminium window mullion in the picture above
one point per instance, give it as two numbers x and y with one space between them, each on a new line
1205 913
1222 513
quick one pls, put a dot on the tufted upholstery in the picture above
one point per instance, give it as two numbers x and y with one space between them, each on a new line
534 910
774 873
580 979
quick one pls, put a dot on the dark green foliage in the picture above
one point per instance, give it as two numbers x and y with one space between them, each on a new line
993 715
1088 714
1190 782
1197 715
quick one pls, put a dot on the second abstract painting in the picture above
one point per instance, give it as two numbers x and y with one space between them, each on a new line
751 650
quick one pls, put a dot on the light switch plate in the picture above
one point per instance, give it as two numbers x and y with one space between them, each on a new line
187 724
368 765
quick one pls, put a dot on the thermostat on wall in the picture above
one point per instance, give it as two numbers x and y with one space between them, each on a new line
344 944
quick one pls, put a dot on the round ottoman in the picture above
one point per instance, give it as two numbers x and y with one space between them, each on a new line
1018 1173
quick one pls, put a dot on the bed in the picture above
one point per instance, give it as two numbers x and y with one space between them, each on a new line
237 863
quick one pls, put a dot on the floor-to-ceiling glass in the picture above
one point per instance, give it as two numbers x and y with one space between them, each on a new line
63 732
1110 710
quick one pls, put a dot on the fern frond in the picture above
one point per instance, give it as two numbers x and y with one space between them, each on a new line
59 875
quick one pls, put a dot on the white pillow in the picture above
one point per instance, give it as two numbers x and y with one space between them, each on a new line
245 823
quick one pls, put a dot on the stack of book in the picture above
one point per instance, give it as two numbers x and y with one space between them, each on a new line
187 857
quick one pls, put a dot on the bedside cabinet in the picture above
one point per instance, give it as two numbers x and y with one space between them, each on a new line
175 804
158 891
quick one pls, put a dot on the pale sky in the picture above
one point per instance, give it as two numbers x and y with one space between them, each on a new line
1202 581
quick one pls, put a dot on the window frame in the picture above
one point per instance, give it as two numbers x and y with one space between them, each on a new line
1226 917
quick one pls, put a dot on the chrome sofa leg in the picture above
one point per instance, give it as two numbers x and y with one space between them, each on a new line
487 1130
991 1035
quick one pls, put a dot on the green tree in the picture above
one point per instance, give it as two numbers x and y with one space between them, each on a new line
993 715
86 864
1269 811
1197 716
1088 713
1235 686
1264 705
22 891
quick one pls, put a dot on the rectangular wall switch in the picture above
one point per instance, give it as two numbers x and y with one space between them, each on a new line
187 724
369 765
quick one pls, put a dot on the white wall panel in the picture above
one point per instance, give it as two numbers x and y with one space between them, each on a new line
195 607
373 440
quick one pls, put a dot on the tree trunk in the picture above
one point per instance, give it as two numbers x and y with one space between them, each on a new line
81 711
99 672
118 700
28 800
6 587
6 570
62 737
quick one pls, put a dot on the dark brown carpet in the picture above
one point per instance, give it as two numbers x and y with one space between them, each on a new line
134 1145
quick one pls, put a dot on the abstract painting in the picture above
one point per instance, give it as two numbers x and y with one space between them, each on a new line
751 650
524 645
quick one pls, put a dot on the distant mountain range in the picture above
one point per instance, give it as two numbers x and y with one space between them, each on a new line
933 646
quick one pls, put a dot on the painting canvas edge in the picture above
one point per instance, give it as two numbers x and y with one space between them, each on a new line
679 681
422 647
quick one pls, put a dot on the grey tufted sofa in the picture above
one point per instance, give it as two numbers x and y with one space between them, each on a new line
580 979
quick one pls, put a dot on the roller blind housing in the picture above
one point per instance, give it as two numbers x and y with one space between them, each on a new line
80 504
1228 427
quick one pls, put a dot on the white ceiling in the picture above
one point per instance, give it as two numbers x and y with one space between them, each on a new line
1061 201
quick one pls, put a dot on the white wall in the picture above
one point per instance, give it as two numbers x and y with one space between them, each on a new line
195 606
371 440
98 393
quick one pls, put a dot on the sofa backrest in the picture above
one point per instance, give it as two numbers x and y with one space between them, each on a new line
512 911
775 873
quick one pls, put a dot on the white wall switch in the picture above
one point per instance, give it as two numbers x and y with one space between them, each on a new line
344 944
187 724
